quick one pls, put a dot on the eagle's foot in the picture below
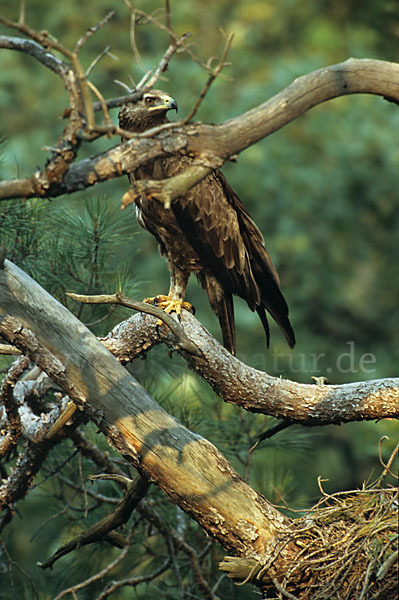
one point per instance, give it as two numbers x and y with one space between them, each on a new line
169 305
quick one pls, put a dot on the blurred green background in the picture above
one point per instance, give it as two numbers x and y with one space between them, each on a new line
323 190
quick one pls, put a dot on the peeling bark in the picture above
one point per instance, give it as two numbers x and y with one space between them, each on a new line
256 391
188 468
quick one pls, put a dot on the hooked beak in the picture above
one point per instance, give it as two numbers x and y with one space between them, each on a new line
168 104
173 104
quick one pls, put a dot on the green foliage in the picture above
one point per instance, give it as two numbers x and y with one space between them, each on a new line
72 246
322 190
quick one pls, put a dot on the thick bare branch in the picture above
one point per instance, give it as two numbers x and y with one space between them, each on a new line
255 390
188 468
214 144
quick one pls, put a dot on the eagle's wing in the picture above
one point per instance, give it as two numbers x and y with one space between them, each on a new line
232 250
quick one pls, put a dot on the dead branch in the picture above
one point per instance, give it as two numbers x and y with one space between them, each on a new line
100 574
217 143
182 340
8 349
164 62
188 468
134 581
242 385
92 30
134 492
11 405
213 75
254 390
294 557
35 50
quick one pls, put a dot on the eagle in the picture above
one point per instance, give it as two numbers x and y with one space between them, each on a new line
208 231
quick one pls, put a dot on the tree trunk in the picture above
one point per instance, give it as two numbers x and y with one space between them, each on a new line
188 468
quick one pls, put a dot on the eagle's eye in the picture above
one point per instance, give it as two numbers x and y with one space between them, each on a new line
149 100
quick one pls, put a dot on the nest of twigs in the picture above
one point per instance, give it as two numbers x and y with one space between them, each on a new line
347 548
344 548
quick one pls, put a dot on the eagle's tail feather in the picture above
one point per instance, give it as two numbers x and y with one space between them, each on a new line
222 305
282 321
227 324
262 315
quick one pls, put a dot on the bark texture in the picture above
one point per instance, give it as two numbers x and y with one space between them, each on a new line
188 468
210 144
254 390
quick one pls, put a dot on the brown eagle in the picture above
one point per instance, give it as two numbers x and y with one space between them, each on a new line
208 232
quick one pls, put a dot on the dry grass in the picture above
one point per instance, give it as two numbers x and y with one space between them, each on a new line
347 548
344 548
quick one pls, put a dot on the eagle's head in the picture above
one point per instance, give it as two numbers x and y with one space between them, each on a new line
148 112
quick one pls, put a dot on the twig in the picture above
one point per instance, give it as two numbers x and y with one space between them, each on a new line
168 15
134 492
110 566
387 466
183 341
92 30
133 581
13 563
270 432
132 35
211 79
283 591
163 63
22 12
84 88
97 93
105 52
172 35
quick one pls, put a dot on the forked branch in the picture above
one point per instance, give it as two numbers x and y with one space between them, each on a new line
214 144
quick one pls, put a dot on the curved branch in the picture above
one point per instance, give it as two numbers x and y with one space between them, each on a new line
214 144
254 390
354 76
182 340
36 51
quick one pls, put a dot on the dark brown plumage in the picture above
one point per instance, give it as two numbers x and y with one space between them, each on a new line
208 232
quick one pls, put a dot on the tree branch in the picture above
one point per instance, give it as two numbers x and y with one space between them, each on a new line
254 390
36 51
214 144
134 492
188 468
182 340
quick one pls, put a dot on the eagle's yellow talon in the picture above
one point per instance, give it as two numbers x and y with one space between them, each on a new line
169 305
